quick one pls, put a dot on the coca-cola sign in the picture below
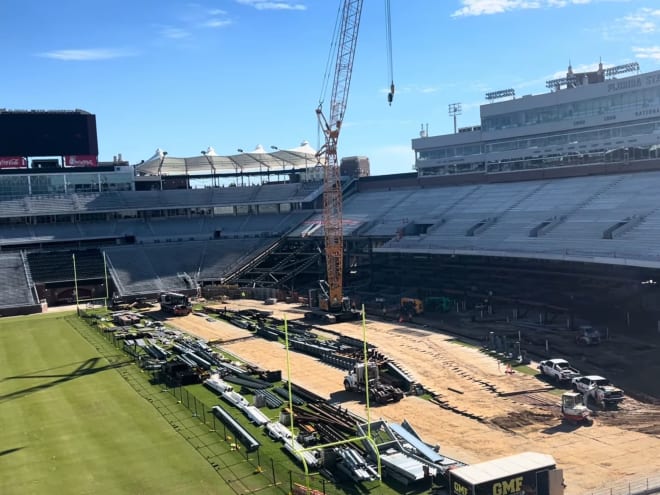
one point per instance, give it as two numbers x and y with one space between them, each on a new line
80 161
12 162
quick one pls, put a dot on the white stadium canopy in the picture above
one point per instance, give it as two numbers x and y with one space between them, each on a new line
209 162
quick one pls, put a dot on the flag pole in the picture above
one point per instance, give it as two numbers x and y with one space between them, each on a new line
75 282
105 270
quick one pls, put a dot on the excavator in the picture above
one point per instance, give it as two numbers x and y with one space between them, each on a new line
332 300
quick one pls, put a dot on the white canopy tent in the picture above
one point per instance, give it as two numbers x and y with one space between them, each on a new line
210 163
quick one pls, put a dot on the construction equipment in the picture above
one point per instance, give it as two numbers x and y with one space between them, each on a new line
348 26
587 335
411 307
574 408
362 377
440 304
175 304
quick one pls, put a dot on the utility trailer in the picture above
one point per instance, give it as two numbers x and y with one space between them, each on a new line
525 473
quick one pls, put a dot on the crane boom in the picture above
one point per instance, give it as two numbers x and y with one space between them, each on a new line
332 192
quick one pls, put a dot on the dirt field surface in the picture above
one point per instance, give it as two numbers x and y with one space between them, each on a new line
484 413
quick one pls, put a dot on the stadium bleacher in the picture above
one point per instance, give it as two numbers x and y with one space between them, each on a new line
15 290
564 218
152 268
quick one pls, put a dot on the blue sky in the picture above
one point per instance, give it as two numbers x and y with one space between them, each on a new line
233 74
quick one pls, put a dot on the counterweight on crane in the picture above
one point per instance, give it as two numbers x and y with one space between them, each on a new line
351 10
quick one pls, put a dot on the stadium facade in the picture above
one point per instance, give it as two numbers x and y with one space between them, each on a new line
586 118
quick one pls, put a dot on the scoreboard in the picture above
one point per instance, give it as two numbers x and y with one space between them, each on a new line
47 133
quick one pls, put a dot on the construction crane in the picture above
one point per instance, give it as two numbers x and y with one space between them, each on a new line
333 299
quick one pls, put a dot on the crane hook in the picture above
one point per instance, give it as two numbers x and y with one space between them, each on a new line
390 95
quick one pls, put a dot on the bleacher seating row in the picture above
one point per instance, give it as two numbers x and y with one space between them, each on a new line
499 218
15 290
158 229
150 268
93 202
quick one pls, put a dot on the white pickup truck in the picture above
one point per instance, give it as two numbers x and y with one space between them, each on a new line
599 389
559 370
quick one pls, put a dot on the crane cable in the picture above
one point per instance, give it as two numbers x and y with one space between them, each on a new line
329 72
388 43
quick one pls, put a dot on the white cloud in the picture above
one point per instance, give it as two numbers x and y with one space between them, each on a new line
651 52
217 23
643 21
489 7
266 5
175 33
637 24
215 12
86 54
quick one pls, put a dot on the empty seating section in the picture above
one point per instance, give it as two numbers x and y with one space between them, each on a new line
58 266
16 233
57 231
221 257
177 228
499 217
99 229
275 192
152 268
132 272
51 204
15 290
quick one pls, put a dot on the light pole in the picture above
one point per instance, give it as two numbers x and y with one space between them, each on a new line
240 150
210 160
454 110
283 162
160 167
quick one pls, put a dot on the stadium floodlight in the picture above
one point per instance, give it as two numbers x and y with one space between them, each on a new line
621 69
454 110
502 93
569 81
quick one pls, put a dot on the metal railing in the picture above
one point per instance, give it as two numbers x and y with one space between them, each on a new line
639 486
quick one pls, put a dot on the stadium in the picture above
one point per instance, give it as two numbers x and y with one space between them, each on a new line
576 242
545 243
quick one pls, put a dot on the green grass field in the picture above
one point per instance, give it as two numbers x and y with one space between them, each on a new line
71 424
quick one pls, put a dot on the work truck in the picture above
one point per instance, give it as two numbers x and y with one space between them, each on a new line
599 389
558 370
362 377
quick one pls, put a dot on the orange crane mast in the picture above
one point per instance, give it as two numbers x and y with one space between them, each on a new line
351 11
332 193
